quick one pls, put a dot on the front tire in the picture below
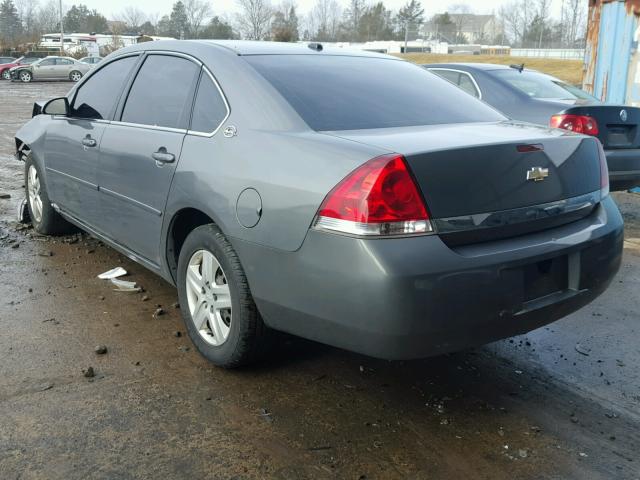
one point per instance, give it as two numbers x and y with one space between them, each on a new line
6 75
44 218
75 76
219 313
25 76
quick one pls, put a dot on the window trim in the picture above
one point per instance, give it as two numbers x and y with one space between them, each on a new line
127 91
74 91
198 133
462 72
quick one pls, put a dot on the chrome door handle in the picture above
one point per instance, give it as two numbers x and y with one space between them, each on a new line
161 156
89 142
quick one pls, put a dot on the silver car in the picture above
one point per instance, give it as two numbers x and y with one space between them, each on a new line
50 68
347 197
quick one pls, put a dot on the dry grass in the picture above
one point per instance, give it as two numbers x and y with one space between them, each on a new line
568 70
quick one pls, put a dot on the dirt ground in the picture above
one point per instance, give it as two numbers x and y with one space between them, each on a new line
560 403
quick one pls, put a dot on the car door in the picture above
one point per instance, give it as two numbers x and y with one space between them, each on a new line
63 68
139 153
72 142
45 69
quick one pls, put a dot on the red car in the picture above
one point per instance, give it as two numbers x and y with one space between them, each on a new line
5 67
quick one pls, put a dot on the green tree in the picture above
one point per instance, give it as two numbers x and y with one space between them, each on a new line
218 29
10 25
375 24
409 17
80 19
147 28
179 21
284 26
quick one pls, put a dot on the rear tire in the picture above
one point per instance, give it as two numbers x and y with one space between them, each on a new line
6 75
44 218
210 277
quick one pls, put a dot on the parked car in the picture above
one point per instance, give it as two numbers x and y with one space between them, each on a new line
531 96
5 67
50 68
91 60
305 189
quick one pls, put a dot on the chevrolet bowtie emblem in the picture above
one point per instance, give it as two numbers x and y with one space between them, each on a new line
537 174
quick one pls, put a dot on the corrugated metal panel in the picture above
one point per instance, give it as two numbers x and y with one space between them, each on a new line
611 47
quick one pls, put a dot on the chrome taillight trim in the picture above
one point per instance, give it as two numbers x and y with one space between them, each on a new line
386 229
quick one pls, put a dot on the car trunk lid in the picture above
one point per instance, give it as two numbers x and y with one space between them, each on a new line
618 125
495 177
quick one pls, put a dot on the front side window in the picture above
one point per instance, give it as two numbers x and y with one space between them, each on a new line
96 98
47 62
209 109
161 92
335 92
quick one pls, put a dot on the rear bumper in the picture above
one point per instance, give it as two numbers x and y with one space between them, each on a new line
415 297
624 168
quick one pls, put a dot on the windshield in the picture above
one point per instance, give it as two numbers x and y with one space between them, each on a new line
332 92
539 85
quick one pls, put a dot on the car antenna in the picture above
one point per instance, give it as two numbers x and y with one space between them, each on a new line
315 46
520 67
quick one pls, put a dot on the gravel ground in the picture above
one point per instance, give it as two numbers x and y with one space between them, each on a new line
562 402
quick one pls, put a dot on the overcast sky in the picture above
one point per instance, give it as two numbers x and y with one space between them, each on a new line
111 8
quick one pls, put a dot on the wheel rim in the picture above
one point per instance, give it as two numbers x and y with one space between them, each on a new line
33 188
25 77
75 76
6 75
209 297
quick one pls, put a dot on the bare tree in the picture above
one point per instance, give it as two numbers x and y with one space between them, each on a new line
27 11
254 19
133 17
323 20
461 11
48 17
198 11
573 16
511 19
410 17
543 16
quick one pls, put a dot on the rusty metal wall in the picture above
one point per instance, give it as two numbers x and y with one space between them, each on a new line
611 59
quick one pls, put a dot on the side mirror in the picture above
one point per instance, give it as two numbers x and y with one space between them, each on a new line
57 106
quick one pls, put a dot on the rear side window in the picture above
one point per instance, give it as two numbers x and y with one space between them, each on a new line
461 79
161 93
63 61
209 109
351 93
96 97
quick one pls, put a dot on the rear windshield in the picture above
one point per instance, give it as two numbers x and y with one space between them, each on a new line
353 93
538 85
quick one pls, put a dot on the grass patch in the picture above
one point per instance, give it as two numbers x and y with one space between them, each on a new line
568 70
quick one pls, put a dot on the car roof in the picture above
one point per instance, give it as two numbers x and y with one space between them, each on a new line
248 47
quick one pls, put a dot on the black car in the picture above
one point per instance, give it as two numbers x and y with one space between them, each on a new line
535 97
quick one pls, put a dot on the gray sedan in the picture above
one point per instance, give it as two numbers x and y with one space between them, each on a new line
346 197
51 68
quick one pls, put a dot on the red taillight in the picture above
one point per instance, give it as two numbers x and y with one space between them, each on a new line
604 172
378 198
575 123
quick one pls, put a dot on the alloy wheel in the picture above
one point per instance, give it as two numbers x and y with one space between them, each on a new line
33 188
75 76
209 297
6 75
25 77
